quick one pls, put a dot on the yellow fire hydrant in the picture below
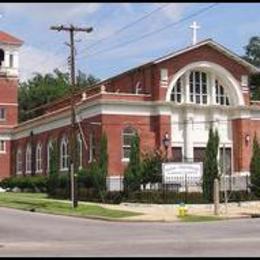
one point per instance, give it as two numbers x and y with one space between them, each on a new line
182 210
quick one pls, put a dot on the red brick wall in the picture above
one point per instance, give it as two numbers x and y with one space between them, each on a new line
203 53
8 94
113 126
242 151
5 161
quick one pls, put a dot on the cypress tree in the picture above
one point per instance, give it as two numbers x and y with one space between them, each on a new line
132 176
255 168
210 165
103 161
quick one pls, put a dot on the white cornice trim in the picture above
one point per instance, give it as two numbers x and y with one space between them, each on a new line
118 107
9 104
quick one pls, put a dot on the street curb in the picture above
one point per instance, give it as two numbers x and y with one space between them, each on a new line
246 216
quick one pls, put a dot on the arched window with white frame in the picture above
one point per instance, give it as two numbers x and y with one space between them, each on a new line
28 159
198 87
176 95
39 158
49 154
128 134
19 162
64 154
221 95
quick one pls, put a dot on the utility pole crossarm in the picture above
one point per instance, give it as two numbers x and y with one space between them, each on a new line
71 28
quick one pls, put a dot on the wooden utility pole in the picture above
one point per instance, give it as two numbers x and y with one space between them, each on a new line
216 196
72 29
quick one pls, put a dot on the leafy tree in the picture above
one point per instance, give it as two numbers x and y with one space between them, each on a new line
151 167
43 89
253 51
210 165
132 175
253 56
255 168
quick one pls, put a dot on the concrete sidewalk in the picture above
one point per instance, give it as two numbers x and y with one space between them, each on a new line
167 212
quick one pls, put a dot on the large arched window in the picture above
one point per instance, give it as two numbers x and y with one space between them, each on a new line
64 154
39 158
128 134
19 162
221 95
198 87
49 154
176 95
28 159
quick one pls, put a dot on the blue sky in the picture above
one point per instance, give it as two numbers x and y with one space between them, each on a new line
231 24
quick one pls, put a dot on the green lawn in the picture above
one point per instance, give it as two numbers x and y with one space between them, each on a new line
198 218
40 203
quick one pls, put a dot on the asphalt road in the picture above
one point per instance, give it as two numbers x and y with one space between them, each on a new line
34 234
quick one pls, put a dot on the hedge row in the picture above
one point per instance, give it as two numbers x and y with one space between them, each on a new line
60 188
25 183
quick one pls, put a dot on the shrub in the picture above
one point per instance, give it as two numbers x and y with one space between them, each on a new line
30 183
165 197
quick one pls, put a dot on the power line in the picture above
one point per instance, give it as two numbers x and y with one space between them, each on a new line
126 26
202 10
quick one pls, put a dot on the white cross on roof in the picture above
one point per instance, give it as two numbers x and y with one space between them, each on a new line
194 28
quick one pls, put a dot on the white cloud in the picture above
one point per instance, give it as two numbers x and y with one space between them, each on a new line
174 11
36 60
50 11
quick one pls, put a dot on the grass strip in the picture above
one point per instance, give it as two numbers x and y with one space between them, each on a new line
40 203
199 218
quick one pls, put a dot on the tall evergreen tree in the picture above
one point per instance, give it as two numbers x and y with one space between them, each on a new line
255 168
132 175
210 165
103 161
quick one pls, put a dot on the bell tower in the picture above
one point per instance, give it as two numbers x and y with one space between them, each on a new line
9 49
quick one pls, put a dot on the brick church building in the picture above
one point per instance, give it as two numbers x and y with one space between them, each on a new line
176 96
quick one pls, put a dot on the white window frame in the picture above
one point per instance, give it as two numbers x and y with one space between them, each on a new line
126 146
92 147
11 60
64 157
2 146
19 162
39 158
28 159
49 147
175 92
218 96
193 93
2 113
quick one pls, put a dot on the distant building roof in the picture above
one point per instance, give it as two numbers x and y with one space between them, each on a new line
9 39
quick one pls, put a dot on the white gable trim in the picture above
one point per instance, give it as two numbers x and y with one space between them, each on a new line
216 46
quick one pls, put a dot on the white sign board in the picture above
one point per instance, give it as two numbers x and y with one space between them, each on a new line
182 172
